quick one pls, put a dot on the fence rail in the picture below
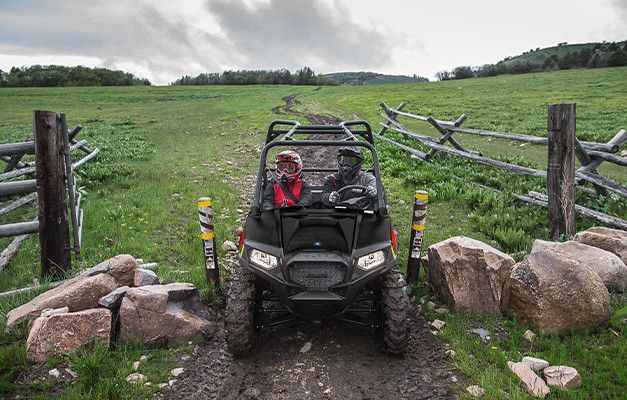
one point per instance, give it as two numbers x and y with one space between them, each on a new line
51 181
590 154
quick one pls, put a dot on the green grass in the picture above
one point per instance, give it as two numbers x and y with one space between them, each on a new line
162 147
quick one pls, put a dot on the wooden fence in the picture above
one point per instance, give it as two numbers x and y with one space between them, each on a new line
51 180
563 146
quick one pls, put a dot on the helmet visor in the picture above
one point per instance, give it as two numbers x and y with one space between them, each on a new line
348 160
286 167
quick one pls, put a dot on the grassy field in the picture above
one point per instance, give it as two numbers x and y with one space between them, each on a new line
162 147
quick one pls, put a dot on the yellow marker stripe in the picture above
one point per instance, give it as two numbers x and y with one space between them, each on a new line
422 196
205 203
393 252
207 236
416 227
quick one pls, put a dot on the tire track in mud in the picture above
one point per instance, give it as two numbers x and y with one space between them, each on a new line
343 363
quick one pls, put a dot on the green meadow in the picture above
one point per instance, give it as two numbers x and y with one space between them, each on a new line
163 147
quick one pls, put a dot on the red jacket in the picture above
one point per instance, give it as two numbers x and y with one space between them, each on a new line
274 196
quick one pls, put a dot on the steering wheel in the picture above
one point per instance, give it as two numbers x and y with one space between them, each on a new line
361 201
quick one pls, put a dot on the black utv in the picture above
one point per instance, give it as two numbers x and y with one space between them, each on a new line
318 263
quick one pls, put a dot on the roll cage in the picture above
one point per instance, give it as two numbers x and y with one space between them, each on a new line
283 133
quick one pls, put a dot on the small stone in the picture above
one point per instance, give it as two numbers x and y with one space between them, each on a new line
475 391
162 385
71 373
143 358
562 377
239 230
145 277
529 336
136 377
54 373
450 353
442 310
135 365
483 334
311 369
229 246
320 384
431 306
327 391
306 347
535 364
252 393
623 153
171 382
532 382
185 357
54 311
434 333
177 371
148 384
453 379
239 211
438 324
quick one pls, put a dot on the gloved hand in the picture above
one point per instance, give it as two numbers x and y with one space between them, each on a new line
334 197
371 191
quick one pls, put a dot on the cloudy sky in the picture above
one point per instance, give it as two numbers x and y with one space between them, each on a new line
162 40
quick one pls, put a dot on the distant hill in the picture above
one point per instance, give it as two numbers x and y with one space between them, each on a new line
539 55
370 78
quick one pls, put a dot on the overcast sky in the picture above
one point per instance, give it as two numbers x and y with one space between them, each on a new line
162 40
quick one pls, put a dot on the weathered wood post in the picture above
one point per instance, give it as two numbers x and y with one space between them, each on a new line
205 213
421 198
54 234
561 128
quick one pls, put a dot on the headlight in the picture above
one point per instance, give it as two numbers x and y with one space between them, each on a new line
263 260
372 260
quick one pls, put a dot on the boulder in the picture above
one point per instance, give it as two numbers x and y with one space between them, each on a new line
610 268
468 274
79 293
60 334
160 315
612 240
533 384
121 267
562 377
144 277
556 294
113 300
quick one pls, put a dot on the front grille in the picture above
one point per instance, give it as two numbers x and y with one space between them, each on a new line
316 276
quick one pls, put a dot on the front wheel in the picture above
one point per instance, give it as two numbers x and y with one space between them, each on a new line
393 312
240 311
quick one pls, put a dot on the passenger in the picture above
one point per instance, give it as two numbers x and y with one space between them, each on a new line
287 188
349 162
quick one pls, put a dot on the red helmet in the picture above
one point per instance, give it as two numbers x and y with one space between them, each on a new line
289 165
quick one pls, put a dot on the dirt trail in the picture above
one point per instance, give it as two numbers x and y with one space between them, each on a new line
343 363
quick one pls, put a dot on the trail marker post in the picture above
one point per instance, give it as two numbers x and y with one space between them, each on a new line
421 198
205 214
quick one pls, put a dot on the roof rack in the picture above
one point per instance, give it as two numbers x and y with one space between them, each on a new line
286 129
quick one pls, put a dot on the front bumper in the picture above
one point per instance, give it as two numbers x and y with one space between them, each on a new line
320 304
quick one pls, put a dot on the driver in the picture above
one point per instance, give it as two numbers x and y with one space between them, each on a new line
349 162
287 188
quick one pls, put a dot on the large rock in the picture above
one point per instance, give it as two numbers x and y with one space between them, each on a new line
113 300
562 377
468 274
532 382
610 268
159 315
612 240
60 334
79 293
556 294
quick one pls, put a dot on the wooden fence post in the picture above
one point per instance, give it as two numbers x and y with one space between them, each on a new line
561 128
54 234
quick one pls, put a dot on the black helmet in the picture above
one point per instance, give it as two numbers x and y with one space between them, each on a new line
349 161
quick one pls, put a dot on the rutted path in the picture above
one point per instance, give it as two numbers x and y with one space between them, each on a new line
343 362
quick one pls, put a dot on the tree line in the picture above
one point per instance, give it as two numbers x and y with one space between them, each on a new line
58 75
597 56
304 76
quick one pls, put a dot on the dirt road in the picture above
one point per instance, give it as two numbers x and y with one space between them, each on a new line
343 362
